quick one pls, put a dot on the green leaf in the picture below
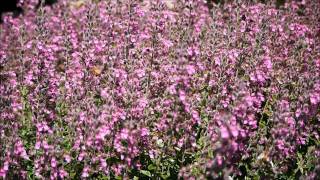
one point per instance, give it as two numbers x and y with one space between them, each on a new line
72 174
171 160
165 176
160 143
151 167
145 172
300 163
135 178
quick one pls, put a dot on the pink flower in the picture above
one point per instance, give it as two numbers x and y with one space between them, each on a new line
144 132
6 166
3 173
103 163
234 131
104 130
190 51
167 43
180 143
182 96
219 160
217 61
63 173
314 98
140 73
81 156
249 100
67 158
143 102
195 116
190 69
53 162
224 132
268 63
318 63
37 145
85 172
298 112
104 93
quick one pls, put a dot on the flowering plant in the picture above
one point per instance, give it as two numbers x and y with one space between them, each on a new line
160 89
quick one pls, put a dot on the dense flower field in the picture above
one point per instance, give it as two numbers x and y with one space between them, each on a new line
161 89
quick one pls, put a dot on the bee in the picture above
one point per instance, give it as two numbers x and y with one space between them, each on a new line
77 4
60 66
264 156
97 70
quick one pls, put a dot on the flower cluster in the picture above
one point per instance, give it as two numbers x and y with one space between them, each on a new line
160 88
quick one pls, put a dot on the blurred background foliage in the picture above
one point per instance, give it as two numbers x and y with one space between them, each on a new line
14 7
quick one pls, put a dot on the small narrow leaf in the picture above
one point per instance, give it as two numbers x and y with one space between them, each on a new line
145 172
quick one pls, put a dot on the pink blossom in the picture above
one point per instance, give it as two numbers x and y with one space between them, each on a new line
314 98
190 69
224 133
53 162
85 172
67 158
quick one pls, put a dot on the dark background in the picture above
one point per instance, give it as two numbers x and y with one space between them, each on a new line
12 5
